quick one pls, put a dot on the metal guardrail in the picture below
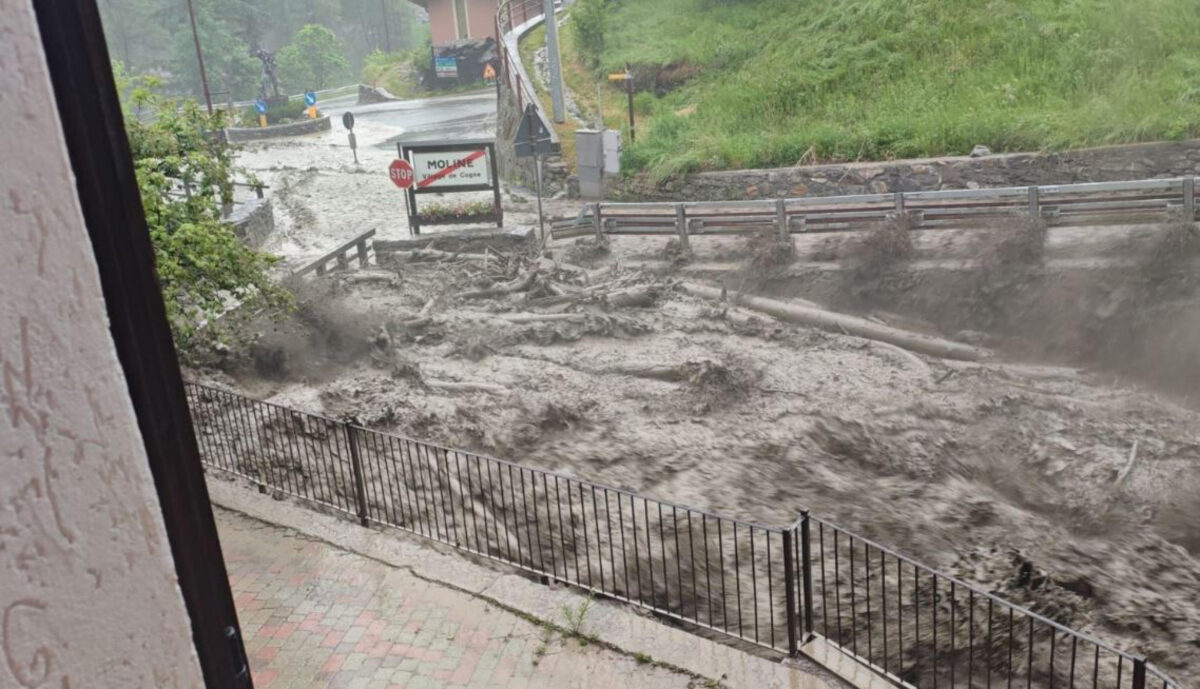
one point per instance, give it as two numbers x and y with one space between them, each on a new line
1057 204
780 588
510 15
361 251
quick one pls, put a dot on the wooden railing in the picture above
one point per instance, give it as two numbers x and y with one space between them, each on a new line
359 245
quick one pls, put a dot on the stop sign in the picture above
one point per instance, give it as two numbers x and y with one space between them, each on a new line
401 173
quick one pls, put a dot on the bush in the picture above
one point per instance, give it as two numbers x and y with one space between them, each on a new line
294 109
589 19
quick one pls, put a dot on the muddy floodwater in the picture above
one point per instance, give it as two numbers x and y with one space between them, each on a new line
1048 458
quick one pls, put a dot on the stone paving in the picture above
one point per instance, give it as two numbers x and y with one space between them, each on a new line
317 616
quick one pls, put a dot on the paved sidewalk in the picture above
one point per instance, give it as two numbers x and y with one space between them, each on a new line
317 616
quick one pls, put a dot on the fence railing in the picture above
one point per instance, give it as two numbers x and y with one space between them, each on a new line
1057 204
783 588
360 245
510 15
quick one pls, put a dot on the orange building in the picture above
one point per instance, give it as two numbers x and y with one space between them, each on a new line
452 20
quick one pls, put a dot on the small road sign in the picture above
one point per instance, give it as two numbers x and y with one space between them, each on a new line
533 138
261 106
348 120
310 98
401 173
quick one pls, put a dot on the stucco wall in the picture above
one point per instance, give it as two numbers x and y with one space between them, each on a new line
88 592
481 16
441 21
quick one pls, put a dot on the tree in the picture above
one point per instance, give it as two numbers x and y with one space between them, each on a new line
313 60
233 72
185 174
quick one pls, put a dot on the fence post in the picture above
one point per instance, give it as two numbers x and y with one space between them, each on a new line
360 486
597 223
1189 198
806 574
781 221
899 196
681 227
1035 210
789 579
1139 672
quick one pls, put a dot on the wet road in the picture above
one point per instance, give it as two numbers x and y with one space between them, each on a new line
470 116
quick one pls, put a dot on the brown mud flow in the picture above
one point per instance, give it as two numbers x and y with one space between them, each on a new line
1062 474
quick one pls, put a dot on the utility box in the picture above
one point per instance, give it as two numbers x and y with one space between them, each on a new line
589 154
612 151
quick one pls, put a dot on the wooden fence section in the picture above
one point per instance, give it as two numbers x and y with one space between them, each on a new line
362 245
1152 200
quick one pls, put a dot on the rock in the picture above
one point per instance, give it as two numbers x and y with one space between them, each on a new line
980 151
752 192
802 189
879 187
972 184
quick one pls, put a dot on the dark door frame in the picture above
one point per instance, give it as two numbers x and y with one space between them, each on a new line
112 209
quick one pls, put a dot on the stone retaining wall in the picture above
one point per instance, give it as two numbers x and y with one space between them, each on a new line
253 221
1106 164
237 134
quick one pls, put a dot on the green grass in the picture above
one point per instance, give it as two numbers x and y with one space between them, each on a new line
784 81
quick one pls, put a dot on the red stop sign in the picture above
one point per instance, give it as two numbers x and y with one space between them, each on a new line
401 173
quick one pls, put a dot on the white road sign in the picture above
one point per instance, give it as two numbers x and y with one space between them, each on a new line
449 169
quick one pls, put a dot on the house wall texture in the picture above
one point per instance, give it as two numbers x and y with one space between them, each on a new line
481 16
88 591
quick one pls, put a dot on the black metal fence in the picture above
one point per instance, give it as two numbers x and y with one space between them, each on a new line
780 588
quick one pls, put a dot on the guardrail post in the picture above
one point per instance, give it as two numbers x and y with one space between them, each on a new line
781 221
789 578
360 486
806 574
1035 209
899 196
681 227
362 253
1139 672
1189 198
597 223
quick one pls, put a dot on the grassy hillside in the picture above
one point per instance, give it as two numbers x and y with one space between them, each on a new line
757 83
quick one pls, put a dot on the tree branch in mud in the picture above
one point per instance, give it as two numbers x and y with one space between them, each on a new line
849 325
519 285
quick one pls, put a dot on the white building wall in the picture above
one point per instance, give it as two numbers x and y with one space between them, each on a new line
88 592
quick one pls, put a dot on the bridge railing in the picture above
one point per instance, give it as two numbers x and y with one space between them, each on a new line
1149 200
513 16
811 586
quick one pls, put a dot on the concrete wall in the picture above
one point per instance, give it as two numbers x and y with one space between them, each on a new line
1111 163
88 591
298 128
253 221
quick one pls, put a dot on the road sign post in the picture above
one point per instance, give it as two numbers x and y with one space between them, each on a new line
533 140
627 77
348 123
261 106
448 167
310 99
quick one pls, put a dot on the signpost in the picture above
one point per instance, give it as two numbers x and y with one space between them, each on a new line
627 77
348 123
533 140
261 106
401 172
447 167
446 67
310 99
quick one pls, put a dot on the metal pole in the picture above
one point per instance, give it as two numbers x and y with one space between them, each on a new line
681 227
789 586
806 574
200 58
556 78
360 486
629 92
1139 673
1189 198
537 176
1035 210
